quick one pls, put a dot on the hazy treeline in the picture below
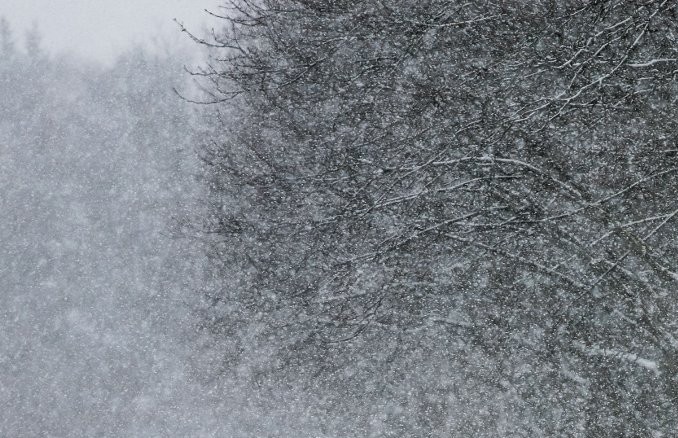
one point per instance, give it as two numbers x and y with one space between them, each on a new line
95 167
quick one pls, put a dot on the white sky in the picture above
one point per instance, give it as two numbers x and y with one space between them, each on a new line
100 29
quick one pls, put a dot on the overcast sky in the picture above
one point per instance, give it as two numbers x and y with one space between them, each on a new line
100 29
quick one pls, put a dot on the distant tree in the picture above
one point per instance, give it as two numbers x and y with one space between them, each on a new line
485 184
22 79
6 40
33 40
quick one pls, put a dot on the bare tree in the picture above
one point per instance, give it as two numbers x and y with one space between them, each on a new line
493 178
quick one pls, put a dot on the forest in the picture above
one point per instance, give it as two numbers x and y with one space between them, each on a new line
372 218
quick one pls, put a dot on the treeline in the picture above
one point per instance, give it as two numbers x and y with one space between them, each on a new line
96 170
